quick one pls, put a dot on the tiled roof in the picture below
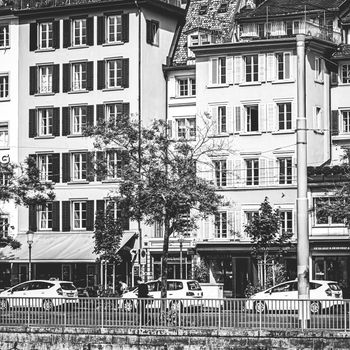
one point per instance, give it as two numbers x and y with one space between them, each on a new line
284 7
220 23
343 52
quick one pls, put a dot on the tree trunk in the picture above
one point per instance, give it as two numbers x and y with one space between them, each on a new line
165 258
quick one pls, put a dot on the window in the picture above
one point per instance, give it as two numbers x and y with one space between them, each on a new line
4 135
4 225
45 217
249 216
114 111
345 119
318 122
203 9
345 73
186 128
152 32
4 179
286 217
45 166
112 207
79 32
285 171
114 29
321 215
221 225
114 73
79 76
219 70
45 35
4 36
186 87
45 79
284 116
79 119
283 65
45 121
220 172
252 114
158 230
222 121
79 215
114 164
223 7
318 69
252 168
4 86
79 166
251 68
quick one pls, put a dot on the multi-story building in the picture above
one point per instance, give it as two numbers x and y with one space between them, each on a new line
79 63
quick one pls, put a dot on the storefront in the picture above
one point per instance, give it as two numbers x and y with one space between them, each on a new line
174 265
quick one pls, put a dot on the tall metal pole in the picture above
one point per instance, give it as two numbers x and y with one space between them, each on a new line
181 260
302 201
30 262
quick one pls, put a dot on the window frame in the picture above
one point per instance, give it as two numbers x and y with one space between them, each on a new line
152 32
117 29
48 125
189 132
4 126
45 87
285 170
221 224
48 33
78 120
329 218
118 73
4 225
249 118
286 220
78 32
252 171
78 76
345 129
345 80
190 86
114 162
118 110
281 72
4 36
285 116
4 86
45 215
45 166
251 68
319 69
81 220
220 172
79 166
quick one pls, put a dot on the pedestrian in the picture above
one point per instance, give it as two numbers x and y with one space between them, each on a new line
142 294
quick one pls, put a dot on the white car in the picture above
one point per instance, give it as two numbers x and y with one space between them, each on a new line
45 294
284 297
179 294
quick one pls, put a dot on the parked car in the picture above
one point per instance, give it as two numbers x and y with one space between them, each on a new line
284 297
180 294
39 293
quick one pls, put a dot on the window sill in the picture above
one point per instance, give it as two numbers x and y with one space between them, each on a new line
341 136
214 86
49 49
251 133
183 97
252 83
117 88
283 132
116 43
5 99
5 148
284 81
45 230
77 182
319 82
75 135
319 132
43 137
78 92
44 94
111 180
221 135
5 48
78 47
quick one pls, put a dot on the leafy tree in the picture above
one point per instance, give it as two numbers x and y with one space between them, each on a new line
21 184
160 181
269 242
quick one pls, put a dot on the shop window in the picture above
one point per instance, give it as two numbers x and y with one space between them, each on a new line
322 217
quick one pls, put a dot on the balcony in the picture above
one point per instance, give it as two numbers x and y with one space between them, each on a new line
327 174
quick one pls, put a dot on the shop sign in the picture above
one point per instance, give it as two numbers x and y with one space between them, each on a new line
5 159
332 248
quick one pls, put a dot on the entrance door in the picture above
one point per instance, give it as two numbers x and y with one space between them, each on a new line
241 276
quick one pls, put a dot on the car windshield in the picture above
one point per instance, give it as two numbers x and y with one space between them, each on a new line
67 286
193 285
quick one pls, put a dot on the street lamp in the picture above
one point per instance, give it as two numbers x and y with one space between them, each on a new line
30 238
181 240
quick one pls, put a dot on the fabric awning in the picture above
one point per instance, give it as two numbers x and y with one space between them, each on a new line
57 247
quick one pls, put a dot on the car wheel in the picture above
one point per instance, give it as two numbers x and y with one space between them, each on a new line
47 304
260 306
4 305
128 306
176 305
315 307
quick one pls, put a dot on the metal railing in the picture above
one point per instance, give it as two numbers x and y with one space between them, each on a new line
218 314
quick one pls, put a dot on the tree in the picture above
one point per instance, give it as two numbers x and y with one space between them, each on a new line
22 185
160 181
269 242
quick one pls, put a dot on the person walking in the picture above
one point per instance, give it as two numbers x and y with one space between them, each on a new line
142 294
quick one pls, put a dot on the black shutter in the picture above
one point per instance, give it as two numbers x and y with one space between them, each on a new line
125 72
100 166
90 76
100 30
56 34
33 45
90 31
100 113
148 32
335 123
125 27
90 174
90 115
56 78
55 216
32 123
56 122
125 222
65 167
126 108
65 121
100 205
55 159
101 83
66 33
65 216
32 218
90 214
33 80
66 77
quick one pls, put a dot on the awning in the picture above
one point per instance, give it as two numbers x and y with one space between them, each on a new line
57 247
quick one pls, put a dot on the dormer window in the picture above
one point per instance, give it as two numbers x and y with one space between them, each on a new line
223 7
197 39
203 9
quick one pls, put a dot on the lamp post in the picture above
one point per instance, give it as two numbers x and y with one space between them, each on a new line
30 238
181 240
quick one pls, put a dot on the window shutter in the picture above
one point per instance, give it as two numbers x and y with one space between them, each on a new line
272 174
229 120
271 67
90 31
66 77
55 159
100 30
214 71
56 34
262 67
125 27
55 216
101 82
33 80
271 122
126 108
66 33
56 78
172 84
66 207
90 75
148 32
238 172
214 124
90 215
65 121
32 218
237 224
90 175
237 69
263 171
229 70
125 72
32 123
125 222
100 166
294 116
243 119
56 122
90 115
100 113
33 37
170 130
237 119
287 66
65 167
335 122
100 205
262 118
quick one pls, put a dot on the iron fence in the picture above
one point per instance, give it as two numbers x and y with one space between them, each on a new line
330 314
